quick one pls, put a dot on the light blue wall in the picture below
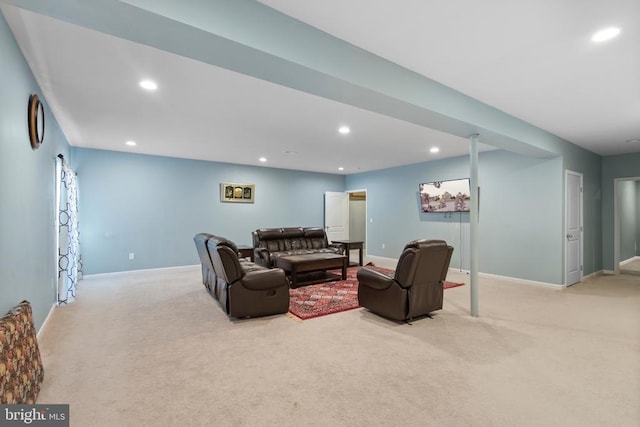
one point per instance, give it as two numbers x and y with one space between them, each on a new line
623 166
520 229
153 206
628 219
589 165
393 205
27 178
521 213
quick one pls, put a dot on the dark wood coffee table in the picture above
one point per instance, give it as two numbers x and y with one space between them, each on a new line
294 264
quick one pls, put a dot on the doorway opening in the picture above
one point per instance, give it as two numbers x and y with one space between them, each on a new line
626 217
358 221
345 218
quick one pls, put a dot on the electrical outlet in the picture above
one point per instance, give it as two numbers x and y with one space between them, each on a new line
383 246
371 220
131 256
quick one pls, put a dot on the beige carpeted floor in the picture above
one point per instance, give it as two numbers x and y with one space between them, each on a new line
154 349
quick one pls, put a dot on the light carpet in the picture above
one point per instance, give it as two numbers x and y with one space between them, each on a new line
152 348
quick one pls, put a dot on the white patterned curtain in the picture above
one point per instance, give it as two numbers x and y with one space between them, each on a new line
69 257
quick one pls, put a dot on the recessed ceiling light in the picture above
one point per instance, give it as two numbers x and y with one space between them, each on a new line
605 34
131 143
263 159
634 140
344 130
148 85
340 168
434 150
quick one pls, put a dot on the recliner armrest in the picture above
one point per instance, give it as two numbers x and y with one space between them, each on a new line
374 279
265 279
262 256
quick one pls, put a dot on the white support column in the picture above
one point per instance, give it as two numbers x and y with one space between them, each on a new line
473 225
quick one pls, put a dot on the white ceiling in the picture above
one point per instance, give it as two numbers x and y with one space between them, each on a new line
530 59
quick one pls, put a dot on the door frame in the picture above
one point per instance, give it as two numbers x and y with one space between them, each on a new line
568 172
616 221
366 216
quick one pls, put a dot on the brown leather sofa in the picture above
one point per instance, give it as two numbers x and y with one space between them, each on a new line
243 288
416 289
208 275
271 243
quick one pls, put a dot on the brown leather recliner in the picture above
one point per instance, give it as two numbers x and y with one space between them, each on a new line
243 288
416 289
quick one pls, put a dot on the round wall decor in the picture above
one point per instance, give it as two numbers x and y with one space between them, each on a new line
35 113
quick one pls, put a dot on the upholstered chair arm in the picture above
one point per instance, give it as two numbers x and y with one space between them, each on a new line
265 279
374 279
262 256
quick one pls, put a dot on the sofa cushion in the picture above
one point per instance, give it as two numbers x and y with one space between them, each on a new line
269 233
316 243
292 232
274 245
305 252
314 232
248 266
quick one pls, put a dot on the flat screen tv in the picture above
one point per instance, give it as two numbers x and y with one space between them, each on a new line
445 196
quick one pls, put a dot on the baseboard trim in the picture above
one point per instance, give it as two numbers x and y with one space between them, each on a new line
392 262
593 275
632 259
145 270
46 320
520 281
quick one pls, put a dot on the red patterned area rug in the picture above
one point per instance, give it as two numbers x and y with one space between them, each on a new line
307 302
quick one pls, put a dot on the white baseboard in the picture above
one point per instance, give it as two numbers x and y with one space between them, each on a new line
592 275
119 273
392 262
600 273
627 261
46 319
519 281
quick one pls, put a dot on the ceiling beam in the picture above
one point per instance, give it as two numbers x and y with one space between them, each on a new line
250 38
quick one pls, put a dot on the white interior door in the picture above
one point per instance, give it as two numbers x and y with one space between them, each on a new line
336 215
573 227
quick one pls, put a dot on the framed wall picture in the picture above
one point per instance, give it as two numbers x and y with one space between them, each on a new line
234 192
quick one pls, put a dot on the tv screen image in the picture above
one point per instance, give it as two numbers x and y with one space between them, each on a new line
445 196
